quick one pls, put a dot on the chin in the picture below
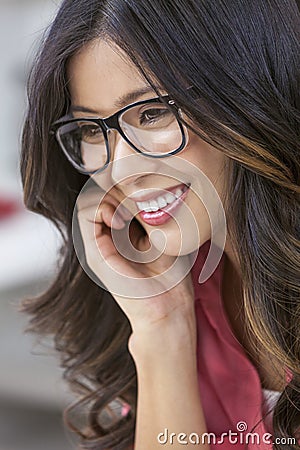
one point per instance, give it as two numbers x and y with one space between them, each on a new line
177 244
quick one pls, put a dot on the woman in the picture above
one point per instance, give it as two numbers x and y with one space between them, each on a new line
191 92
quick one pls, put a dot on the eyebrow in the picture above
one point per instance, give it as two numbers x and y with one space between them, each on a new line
121 102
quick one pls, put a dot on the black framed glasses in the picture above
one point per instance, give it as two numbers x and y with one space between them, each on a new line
151 127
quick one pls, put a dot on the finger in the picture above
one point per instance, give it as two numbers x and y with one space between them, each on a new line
104 210
96 237
125 213
94 197
88 198
108 214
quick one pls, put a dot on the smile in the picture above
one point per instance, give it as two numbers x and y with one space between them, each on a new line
160 209
162 200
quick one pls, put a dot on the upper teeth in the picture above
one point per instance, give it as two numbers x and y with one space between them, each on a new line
159 202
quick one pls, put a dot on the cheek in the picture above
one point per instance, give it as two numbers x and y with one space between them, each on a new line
204 156
209 175
184 233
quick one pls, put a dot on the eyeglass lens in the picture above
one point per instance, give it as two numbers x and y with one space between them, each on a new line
151 128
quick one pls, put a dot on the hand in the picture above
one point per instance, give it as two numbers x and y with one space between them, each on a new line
167 309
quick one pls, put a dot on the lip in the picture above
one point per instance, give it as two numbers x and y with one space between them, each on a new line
156 193
163 215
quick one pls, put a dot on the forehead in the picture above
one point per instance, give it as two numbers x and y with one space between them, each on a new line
100 73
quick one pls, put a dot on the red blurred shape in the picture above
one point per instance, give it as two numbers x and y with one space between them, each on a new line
8 208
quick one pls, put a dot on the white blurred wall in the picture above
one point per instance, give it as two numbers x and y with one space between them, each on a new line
28 246
21 25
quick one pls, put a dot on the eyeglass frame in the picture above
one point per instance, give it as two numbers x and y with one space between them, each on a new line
112 123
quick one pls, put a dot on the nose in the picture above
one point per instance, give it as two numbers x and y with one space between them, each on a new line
127 165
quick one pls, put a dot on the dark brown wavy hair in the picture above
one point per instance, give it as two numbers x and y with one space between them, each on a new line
242 60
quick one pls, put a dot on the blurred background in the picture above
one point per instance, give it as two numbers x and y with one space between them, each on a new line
32 393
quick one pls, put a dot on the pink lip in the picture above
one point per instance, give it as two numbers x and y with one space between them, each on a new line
164 214
156 193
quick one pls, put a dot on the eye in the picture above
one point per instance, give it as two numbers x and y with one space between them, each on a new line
91 133
154 115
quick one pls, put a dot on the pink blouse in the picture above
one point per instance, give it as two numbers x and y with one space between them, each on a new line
230 388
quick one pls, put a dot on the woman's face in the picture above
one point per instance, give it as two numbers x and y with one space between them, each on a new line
101 81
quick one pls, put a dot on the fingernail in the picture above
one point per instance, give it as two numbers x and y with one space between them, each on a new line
117 222
125 212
